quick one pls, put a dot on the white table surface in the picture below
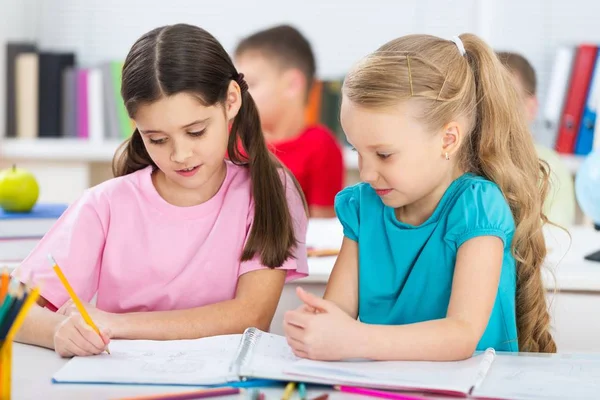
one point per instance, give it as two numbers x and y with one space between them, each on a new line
33 368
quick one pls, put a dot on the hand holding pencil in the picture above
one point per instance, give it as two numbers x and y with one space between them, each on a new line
77 335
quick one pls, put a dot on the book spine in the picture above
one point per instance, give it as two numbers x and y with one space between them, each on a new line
249 338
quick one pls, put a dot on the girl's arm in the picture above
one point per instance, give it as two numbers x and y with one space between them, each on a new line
333 335
255 302
39 326
474 288
342 287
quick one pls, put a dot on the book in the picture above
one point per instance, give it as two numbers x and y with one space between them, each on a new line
585 137
256 356
13 50
50 91
231 359
26 95
572 114
33 224
558 89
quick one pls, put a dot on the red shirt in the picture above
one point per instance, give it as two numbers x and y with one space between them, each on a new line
315 158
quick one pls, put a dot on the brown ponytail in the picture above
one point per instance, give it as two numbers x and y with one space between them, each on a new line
272 234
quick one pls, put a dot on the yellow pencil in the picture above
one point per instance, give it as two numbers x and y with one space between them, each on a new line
73 295
289 389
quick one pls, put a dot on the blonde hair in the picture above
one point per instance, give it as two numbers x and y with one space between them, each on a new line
499 145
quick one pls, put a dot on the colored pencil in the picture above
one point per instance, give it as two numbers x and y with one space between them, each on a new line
4 281
31 299
289 389
377 393
196 394
302 391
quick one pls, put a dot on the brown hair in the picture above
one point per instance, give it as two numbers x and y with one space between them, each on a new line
186 58
518 64
499 147
284 44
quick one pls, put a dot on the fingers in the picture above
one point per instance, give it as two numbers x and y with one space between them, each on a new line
294 333
74 337
293 337
297 318
300 353
105 334
68 308
95 342
307 309
311 300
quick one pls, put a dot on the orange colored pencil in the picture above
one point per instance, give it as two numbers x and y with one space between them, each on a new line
4 281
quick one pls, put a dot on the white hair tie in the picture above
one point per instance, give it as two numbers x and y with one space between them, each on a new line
459 44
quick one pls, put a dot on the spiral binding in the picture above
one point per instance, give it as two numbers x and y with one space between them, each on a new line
249 339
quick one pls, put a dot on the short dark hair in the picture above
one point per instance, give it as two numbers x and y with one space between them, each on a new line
519 64
285 44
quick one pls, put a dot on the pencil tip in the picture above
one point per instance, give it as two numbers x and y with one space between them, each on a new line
51 259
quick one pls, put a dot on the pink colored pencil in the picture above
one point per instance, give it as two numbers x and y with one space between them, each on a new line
377 393
196 394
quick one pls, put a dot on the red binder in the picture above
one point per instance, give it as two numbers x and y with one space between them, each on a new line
576 97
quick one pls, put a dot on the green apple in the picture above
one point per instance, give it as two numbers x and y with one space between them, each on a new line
19 190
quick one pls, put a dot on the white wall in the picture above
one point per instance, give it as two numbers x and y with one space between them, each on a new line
340 31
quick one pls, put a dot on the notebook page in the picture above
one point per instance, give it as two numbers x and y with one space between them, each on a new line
532 377
456 377
204 361
269 357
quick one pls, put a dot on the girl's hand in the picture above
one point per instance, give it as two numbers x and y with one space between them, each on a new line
100 318
320 330
74 337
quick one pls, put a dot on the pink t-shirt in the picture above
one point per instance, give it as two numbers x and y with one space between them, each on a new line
123 241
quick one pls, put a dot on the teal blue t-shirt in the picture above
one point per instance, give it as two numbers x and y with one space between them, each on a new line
405 271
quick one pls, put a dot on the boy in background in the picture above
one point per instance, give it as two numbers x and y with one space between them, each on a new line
279 67
560 203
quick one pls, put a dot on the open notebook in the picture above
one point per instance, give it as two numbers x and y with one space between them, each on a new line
233 359
222 360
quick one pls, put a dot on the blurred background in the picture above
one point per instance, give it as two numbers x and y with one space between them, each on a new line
98 34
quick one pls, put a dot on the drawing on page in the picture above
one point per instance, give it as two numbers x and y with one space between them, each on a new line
558 371
271 346
177 362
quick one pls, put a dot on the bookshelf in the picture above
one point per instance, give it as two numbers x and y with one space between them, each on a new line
103 152
58 150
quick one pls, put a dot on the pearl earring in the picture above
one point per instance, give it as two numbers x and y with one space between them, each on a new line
447 156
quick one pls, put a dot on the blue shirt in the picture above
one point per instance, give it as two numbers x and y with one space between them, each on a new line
405 271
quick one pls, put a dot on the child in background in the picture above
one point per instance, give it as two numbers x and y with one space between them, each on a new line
183 243
443 243
279 66
560 204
